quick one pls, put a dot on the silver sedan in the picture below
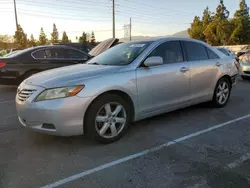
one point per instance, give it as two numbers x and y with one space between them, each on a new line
127 83
244 66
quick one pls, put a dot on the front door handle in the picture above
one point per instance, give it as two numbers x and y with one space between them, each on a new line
184 69
218 64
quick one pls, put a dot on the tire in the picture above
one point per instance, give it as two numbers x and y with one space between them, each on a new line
222 95
101 121
245 77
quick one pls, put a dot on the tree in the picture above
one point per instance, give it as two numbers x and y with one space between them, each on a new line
54 35
32 41
83 38
196 29
210 34
92 38
223 26
241 23
65 38
221 11
42 37
206 18
20 38
219 29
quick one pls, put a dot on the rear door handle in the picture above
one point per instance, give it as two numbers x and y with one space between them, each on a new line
218 64
184 69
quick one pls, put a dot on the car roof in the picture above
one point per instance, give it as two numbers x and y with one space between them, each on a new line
161 39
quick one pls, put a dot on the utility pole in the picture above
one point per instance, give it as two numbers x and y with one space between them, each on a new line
130 29
113 2
15 14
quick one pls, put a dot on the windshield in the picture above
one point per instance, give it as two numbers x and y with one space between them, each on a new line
122 54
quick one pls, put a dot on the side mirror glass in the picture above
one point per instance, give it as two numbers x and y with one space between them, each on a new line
153 61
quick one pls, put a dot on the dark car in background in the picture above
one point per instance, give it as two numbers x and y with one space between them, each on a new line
18 66
243 51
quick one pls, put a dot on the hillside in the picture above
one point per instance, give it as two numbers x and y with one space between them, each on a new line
178 34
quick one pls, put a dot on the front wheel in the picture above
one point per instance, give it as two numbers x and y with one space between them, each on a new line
108 118
222 93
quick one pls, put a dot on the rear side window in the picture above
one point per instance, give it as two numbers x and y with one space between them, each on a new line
74 54
171 52
195 51
50 53
211 54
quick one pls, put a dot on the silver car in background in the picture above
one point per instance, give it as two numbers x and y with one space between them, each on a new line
244 66
129 82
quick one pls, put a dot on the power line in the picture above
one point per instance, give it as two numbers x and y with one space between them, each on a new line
154 7
59 6
59 15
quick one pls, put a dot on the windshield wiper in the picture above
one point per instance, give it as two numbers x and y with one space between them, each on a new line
96 63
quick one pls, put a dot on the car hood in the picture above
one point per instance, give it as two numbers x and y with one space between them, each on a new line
69 75
103 46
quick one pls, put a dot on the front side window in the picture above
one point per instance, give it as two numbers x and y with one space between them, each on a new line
121 54
170 52
195 51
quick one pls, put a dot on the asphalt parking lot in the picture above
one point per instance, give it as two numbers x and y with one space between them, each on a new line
194 147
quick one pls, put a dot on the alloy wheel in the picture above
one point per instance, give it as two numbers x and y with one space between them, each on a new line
110 120
222 92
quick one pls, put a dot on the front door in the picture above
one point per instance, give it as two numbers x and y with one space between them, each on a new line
165 86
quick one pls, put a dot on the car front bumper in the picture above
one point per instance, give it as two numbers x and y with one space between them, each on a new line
244 69
63 117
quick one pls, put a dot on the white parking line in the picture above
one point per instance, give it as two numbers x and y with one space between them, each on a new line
5 117
139 154
2 102
239 161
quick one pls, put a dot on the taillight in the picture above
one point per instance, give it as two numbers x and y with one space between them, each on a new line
2 64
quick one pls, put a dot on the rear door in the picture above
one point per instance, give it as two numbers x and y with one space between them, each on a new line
204 70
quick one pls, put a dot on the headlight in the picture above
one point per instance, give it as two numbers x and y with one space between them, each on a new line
56 93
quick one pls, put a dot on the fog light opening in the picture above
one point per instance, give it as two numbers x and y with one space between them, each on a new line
48 126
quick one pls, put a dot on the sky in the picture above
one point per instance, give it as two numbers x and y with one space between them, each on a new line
149 17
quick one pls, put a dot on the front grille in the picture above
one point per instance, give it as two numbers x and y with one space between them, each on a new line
24 94
247 72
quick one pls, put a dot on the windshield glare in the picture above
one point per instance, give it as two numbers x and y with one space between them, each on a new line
121 54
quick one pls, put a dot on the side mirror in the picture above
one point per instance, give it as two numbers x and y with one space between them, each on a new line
153 61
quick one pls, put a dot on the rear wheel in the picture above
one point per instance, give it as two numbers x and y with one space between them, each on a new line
222 93
108 118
